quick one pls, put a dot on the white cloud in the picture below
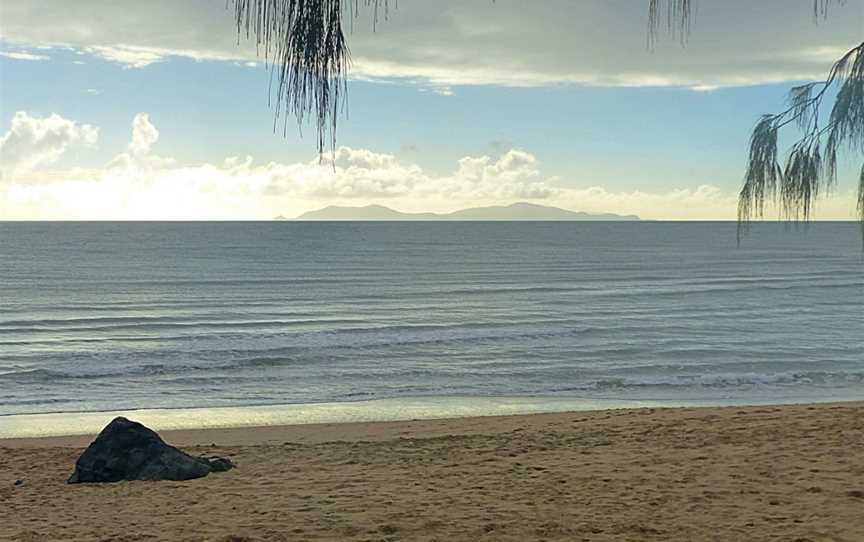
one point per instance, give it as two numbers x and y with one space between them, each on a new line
702 202
444 90
139 185
144 135
128 56
447 43
138 155
824 54
33 141
23 55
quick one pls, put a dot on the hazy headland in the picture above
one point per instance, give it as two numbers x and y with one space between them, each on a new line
514 212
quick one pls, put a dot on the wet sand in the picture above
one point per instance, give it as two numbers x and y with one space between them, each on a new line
791 473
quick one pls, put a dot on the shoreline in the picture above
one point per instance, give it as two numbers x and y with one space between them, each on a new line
70 424
756 473
317 432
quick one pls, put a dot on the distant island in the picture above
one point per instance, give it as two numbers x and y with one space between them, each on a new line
516 211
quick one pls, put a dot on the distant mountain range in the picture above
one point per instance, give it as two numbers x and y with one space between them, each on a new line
517 211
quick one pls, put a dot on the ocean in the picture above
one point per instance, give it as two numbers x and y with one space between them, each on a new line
118 316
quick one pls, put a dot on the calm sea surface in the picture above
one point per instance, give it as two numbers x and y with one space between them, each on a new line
106 316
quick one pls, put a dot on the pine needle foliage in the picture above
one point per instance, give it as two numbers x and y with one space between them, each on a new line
304 44
675 15
825 130
810 167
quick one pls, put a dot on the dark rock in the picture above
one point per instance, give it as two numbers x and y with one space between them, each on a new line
219 464
126 450
19 482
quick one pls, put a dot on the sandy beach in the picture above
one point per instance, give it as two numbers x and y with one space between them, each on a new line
791 473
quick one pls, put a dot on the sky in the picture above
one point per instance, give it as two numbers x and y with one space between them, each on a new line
127 110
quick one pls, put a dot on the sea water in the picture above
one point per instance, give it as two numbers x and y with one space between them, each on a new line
118 316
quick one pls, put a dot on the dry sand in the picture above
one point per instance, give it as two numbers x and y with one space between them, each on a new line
791 473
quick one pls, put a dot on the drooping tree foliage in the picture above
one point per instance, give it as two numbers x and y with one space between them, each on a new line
824 130
305 42
676 14
810 166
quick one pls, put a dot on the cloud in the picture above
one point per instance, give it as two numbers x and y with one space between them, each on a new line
34 141
139 185
702 202
144 135
444 90
23 55
447 43
128 57
138 155
362 175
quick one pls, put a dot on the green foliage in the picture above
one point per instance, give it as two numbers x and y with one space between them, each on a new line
811 164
